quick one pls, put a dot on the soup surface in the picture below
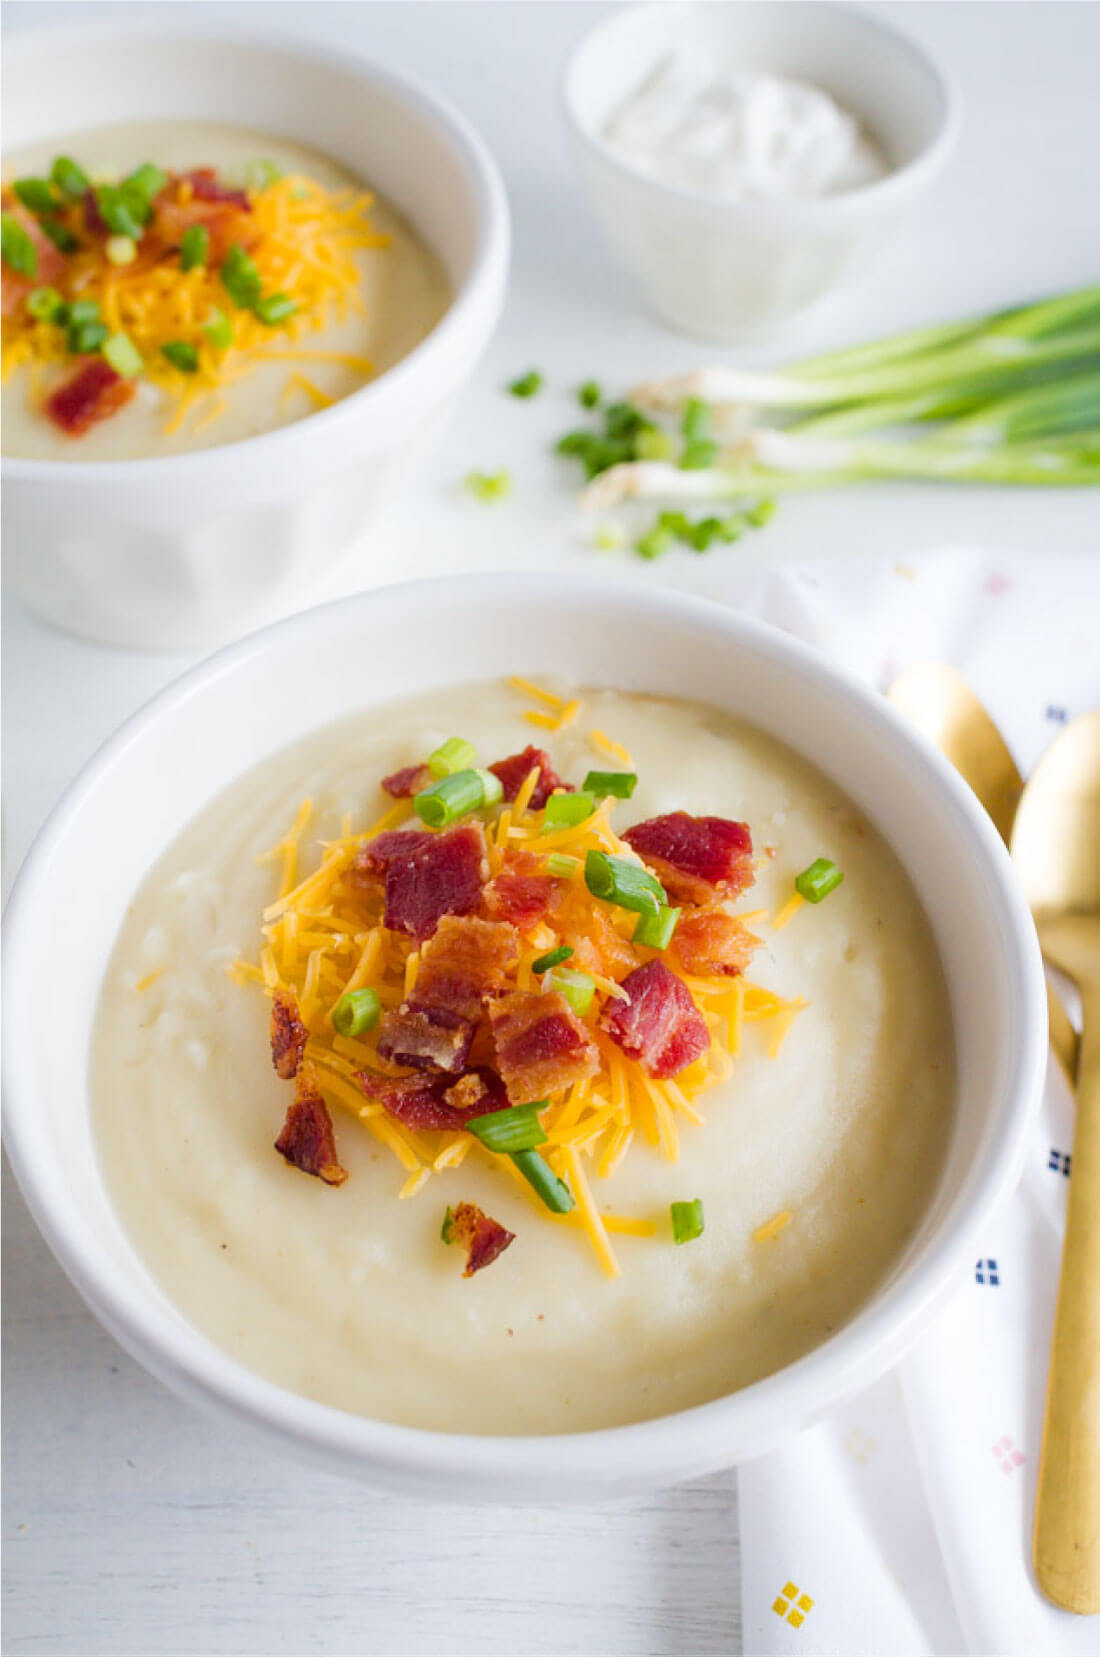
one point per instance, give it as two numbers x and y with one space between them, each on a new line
403 292
347 1294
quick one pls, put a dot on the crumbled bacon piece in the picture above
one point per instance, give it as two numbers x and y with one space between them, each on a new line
402 785
197 198
206 186
307 1140
519 893
426 1037
288 1035
695 858
483 1238
436 1101
708 942
466 961
602 948
541 1045
660 1025
427 876
514 771
93 393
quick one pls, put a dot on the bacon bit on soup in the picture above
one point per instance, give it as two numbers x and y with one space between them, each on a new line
435 1102
402 785
483 1239
519 893
659 1025
307 1140
93 393
541 1045
467 961
426 1038
428 876
514 772
695 858
709 943
288 1035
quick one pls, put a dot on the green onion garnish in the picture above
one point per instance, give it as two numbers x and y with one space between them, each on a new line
624 420
553 1191
120 250
488 486
816 882
620 881
260 175
492 789
16 248
527 384
83 310
617 785
552 958
194 246
516 1128
356 1012
46 305
654 444
36 193
70 178
589 394
123 355
120 213
456 754
240 278
698 455
561 866
446 1230
687 1220
274 308
146 180
654 542
60 235
760 514
86 337
577 987
695 422
219 330
182 355
567 810
655 931
450 798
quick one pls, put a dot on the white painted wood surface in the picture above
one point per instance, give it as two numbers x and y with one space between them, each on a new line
132 1526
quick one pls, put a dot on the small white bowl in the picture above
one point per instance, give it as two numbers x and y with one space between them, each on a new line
245 704
191 550
724 270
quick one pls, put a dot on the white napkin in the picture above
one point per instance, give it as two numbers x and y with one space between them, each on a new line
902 1524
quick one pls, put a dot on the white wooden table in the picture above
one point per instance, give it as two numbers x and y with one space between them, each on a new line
133 1527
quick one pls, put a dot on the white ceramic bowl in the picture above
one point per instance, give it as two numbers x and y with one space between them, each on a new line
728 270
191 550
271 689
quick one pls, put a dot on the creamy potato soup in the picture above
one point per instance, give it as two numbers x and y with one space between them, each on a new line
331 287
806 1142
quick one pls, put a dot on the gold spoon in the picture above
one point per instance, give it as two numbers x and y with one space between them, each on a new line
940 703
1056 847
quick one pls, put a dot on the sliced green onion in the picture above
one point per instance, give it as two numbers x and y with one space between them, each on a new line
16 248
617 785
182 355
527 384
146 180
83 310
456 754
575 443
609 537
120 250
620 881
816 882
194 246
447 1229
86 337
260 175
488 486
654 444
589 394
759 514
687 1220
219 330
356 1012
240 278
123 355
517 1128
492 789
697 455
655 931
552 958
538 1174
274 308
561 866
654 542
46 305
59 234
624 420
695 422
70 178
577 987
450 798
36 193
567 810
120 213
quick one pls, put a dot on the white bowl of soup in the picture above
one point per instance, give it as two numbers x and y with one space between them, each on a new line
738 1257
204 405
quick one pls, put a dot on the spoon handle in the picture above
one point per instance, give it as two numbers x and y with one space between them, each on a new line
1067 1513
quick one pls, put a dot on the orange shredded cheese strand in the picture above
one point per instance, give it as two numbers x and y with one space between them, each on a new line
589 1213
771 1228
604 745
788 912
536 692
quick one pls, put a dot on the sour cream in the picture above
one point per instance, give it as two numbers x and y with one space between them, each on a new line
739 135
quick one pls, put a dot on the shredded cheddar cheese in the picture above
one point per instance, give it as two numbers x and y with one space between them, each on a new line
788 912
771 1228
